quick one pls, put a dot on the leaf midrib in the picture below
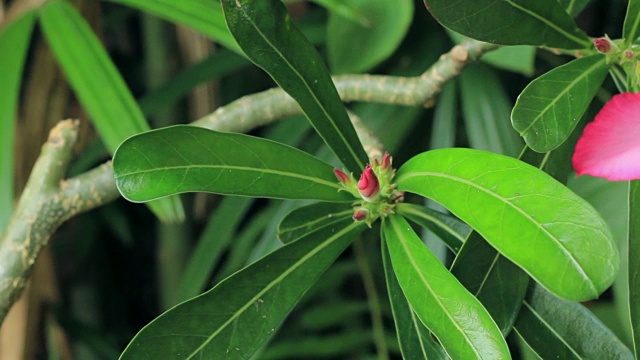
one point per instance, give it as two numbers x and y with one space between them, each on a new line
273 283
306 85
551 104
513 206
231 167
426 284
550 328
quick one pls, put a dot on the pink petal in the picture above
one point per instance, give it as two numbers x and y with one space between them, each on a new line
610 145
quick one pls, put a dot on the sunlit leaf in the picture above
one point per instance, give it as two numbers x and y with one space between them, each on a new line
239 314
449 311
185 158
631 29
268 36
523 22
549 108
530 218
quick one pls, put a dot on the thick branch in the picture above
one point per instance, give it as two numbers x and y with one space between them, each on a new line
48 200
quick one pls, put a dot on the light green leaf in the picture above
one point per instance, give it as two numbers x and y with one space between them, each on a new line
239 314
185 158
456 318
631 29
414 338
204 16
530 218
549 108
307 219
347 9
356 47
486 107
634 262
97 83
558 329
268 36
14 43
451 230
511 22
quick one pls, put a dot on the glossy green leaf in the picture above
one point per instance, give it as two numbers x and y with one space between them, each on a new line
14 43
495 281
204 16
451 230
574 7
486 107
268 36
97 83
239 314
530 218
511 22
558 329
307 219
634 262
456 318
186 158
355 47
631 29
549 108
414 338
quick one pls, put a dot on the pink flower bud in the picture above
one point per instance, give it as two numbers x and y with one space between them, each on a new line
628 54
342 176
603 45
386 162
360 215
368 184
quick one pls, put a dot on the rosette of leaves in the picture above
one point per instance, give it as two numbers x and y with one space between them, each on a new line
533 225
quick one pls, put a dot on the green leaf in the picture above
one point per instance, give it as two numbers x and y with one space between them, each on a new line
268 36
346 9
457 319
574 7
495 281
414 338
186 158
486 107
549 108
631 29
204 16
557 329
97 83
14 43
239 314
634 262
511 22
530 218
451 230
356 47
307 219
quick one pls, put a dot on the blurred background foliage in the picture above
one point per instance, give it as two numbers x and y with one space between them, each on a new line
109 272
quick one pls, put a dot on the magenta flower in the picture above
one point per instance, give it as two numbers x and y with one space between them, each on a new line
368 184
610 145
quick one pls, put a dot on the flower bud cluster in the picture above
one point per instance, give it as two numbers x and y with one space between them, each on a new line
375 190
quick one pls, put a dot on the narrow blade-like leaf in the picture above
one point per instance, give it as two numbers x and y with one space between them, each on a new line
574 7
97 83
530 218
204 16
451 230
549 108
414 338
631 29
456 318
558 329
307 219
634 262
511 22
14 43
268 36
237 316
185 158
